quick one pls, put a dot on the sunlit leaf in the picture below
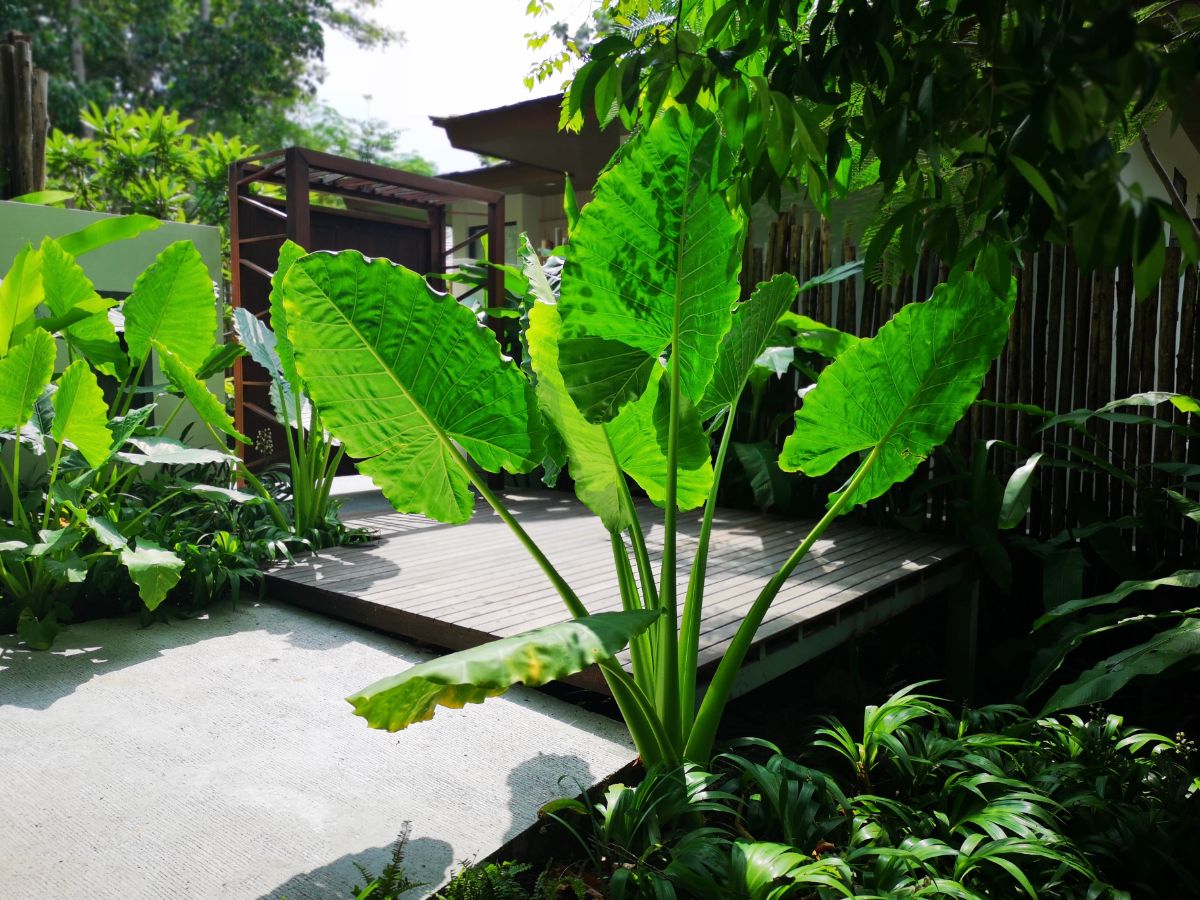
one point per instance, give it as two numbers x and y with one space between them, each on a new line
404 376
900 393
173 304
471 676
210 410
24 374
652 267
81 415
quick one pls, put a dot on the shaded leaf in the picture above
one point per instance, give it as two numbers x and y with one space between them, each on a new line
769 483
471 676
1102 681
1017 493
1186 578
154 570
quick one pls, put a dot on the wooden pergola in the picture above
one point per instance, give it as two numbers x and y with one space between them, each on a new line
388 212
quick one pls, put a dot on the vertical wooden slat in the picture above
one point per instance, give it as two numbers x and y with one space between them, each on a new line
1164 379
1123 438
1185 378
1052 297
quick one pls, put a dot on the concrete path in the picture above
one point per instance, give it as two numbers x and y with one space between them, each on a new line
215 758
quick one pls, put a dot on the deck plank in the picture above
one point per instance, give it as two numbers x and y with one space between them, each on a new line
458 586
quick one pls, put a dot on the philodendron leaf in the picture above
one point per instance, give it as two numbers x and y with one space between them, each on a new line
81 415
599 455
154 570
898 395
68 290
21 292
471 676
1099 683
652 267
173 304
210 410
24 374
404 376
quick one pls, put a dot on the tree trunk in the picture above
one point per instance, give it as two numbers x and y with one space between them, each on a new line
78 64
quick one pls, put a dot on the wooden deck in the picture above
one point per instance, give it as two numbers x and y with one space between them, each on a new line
460 586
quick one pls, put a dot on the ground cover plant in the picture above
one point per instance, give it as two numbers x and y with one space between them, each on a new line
84 526
645 344
919 800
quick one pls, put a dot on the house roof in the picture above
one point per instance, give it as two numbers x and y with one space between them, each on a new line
527 134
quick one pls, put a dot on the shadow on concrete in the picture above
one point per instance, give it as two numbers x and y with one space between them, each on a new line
426 860
535 782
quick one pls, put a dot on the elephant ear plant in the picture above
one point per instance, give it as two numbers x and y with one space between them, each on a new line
645 345
76 415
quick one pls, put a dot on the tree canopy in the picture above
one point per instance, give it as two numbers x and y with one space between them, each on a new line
980 123
230 65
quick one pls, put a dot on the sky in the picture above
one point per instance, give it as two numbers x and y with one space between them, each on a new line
458 56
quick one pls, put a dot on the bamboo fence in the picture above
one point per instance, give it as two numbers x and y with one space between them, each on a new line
1078 340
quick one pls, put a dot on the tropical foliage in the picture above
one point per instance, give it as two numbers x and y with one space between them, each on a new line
151 163
237 66
920 801
84 412
999 124
645 344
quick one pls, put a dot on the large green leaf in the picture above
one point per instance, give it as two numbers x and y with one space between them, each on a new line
900 393
210 410
652 267
81 415
21 292
154 570
401 374
173 303
105 232
599 455
1099 683
24 374
288 254
67 290
747 340
471 676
